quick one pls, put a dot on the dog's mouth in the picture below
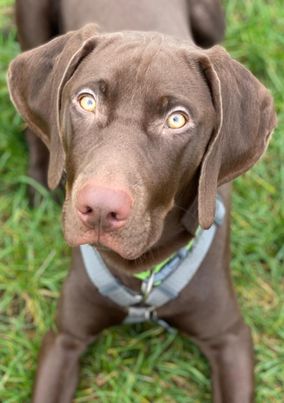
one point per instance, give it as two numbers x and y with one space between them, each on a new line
109 243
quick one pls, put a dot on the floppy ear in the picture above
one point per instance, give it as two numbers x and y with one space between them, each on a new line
36 79
245 120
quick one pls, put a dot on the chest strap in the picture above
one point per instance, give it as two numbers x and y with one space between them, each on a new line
142 305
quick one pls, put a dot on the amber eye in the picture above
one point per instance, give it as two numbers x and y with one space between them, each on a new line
87 102
176 120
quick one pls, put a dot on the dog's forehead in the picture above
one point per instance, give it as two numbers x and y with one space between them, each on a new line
147 60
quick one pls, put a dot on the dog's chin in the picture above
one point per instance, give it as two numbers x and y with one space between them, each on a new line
106 244
126 255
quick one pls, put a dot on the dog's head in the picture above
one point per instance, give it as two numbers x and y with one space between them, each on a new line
137 119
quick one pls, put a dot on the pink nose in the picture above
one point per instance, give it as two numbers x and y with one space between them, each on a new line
103 207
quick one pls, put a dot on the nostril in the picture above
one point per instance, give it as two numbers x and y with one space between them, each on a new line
114 220
86 210
113 216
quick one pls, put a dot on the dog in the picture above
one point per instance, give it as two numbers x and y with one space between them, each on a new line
149 124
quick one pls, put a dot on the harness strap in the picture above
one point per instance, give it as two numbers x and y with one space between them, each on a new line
178 279
105 282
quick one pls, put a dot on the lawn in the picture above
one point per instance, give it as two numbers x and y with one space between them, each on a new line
145 363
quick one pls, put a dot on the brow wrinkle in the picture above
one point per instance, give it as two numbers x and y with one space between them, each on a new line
144 64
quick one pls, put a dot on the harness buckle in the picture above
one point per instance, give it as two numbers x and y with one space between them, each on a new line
137 314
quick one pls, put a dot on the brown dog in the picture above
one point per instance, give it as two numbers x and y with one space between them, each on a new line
147 127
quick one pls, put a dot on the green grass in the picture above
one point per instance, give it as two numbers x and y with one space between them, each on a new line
145 363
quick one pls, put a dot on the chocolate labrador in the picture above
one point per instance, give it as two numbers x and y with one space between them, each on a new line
147 127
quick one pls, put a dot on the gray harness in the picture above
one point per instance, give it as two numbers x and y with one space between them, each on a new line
159 288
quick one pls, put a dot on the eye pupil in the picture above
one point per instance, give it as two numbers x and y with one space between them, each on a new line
87 102
176 120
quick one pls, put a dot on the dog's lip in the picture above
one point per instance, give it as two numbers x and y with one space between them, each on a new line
105 243
128 256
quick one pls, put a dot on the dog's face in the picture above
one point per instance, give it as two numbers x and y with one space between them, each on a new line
135 117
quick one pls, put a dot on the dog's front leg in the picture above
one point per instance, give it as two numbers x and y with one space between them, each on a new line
57 374
231 359
215 324
82 314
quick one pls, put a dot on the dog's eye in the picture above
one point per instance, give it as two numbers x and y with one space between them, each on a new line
176 120
87 102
